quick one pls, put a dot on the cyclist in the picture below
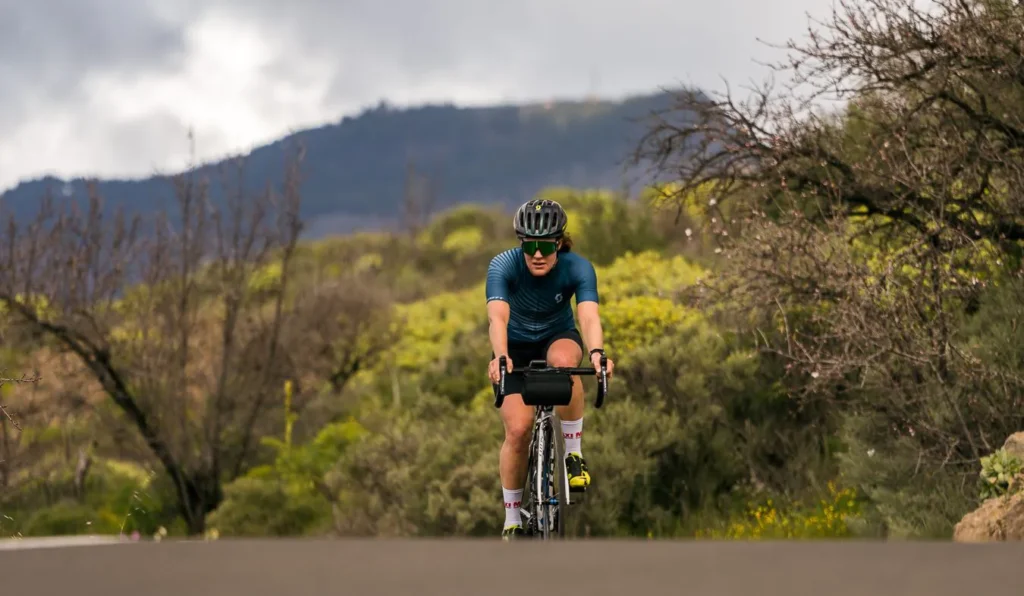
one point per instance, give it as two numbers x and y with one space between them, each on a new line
530 318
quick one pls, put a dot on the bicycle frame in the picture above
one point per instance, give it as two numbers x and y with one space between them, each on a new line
546 387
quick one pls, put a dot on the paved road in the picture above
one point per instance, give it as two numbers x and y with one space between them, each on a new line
458 567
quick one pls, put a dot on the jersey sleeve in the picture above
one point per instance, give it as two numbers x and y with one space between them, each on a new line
499 277
586 281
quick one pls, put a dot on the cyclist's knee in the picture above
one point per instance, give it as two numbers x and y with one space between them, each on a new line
517 432
566 355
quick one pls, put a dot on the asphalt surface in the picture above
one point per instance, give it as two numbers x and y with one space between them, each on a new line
458 567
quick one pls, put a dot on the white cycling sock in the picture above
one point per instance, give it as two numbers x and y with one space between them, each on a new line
572 431
513 499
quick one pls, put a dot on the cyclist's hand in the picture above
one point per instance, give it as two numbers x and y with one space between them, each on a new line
595 359
493 368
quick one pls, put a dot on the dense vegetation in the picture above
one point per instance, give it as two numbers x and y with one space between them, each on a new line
826 343
380 421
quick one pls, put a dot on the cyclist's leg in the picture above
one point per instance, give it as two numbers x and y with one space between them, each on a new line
566 349
517 419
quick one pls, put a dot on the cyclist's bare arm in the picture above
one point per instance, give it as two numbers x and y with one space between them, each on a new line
497 318
590 325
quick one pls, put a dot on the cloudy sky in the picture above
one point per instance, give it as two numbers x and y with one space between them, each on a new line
110 87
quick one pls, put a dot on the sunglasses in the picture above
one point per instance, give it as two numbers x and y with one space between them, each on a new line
546 247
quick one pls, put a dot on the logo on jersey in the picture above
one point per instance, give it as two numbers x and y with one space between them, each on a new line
558 298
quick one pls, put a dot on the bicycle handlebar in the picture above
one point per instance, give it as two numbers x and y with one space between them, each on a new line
602 374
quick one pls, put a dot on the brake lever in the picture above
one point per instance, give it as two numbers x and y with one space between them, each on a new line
500 397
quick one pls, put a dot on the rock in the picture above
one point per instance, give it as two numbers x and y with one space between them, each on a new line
998 518
1015 445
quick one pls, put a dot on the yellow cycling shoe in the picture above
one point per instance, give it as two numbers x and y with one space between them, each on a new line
576 469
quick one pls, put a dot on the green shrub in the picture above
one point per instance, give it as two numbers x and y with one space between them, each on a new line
285 498
269 506
998 472
70 518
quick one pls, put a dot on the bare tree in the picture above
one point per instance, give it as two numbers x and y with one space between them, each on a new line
419 198
867 234
10 430
934 96
340 328
179 324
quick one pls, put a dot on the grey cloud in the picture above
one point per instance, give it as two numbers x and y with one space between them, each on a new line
51 47
377 49
49 37
159 133
530 47
366 50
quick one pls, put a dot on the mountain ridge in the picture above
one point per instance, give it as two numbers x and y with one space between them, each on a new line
355 171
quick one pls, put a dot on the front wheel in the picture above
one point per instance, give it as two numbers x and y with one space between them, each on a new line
546 498
560 483
530 509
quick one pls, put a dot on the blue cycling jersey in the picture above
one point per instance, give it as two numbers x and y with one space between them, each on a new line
539 306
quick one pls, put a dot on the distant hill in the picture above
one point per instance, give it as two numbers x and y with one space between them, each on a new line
356 169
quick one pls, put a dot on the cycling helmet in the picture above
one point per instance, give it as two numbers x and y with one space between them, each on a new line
540 218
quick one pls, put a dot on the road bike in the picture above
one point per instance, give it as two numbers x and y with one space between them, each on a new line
545 387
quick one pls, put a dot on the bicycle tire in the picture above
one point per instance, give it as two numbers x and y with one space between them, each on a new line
543 481
561 480
529 504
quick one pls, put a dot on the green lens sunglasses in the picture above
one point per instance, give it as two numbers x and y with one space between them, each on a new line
546 247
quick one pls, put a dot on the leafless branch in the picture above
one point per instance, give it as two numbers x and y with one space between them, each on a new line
20 380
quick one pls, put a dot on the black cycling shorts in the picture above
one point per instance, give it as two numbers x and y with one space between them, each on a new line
522 353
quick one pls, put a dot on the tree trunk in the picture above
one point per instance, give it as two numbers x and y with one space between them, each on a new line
198 495
82 471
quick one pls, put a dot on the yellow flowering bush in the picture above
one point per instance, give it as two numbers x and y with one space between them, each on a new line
631 323
636 306
464 241
266 278
38 302
429 327
370 262
696 203
646 274
828 519
977 263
